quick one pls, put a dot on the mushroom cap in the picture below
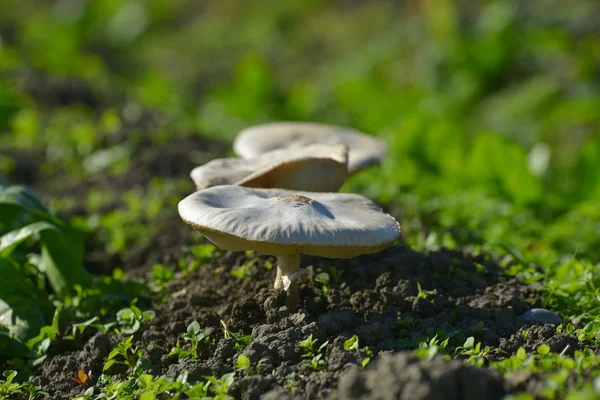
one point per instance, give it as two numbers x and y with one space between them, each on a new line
283 222
364 150
318 168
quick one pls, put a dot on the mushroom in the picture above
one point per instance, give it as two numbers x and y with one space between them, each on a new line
285 223
364 150
317 168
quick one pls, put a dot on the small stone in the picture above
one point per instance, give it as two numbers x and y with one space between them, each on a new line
541 316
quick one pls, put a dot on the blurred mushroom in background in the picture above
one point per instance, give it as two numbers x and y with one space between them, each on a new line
315 168
363 150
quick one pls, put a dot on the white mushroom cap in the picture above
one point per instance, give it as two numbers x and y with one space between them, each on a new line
318 168
364 150
283 222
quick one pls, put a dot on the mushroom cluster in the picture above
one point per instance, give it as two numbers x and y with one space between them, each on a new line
280 198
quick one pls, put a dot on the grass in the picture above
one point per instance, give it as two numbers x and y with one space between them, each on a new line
490 116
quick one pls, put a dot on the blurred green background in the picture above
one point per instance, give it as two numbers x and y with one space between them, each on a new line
491 109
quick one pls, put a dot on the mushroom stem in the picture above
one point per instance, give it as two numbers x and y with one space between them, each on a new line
287 265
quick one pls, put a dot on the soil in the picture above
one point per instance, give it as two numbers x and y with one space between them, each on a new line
377 298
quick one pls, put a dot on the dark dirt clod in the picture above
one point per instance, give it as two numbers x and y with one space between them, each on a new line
404 376
534 336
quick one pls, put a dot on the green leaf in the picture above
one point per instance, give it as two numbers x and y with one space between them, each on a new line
80 327
228 378
143 364
9 375
127 342
543 349
23 308
62 255
9 241
322 278
62 245
488 164
132 328
22 198
243 362
125 315
47 332
431 352
11 348
351 344
469 343
193 328
148 315
586 171
321 347
147 396
145 380
114 352
108 364
365 362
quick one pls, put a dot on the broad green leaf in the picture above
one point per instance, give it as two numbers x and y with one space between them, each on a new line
108 364
543 349
10 347
469 343
62 258
22 197
193 328
114 352
147 396
587 172
499 163
62 246
17 200
23 308
145 380
9 241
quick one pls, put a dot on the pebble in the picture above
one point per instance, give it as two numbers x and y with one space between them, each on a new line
541 316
